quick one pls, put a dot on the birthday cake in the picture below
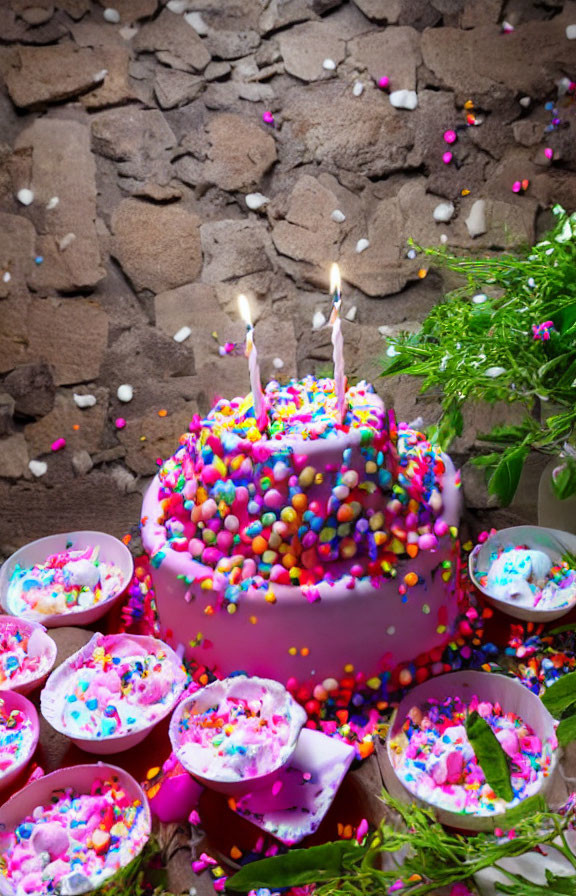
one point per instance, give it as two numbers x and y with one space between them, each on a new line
321 546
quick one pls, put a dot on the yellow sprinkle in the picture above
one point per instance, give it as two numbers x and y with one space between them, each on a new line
270 597
253 620
348 668
292 651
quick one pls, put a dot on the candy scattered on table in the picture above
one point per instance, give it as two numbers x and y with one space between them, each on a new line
73 842
67 582
16 737
529 578
434 759
114 686
23 654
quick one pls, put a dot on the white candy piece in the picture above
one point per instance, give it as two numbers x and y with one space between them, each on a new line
66 241
443 212
182 334
318 320
128 32
197 22
351 313
495 371
6 277
112 15
479 299
38 468
571 32
362 245
443 238
476 220
525 101
329 65
358 88
338 216
52 203
25 196
84 401
254 201
278 363
508 576
125 392
82 572
404 99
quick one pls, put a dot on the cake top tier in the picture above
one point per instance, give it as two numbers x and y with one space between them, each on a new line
312 500
302 409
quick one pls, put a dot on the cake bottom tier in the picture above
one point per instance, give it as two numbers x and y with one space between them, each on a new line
369 628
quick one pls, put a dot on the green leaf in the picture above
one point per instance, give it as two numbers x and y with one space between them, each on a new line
450 426
566 731
505 478
486 460
295 868
564 483
560 695
556 885
528 808
506 434
491 757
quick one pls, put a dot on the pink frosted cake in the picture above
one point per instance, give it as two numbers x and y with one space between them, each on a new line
313 546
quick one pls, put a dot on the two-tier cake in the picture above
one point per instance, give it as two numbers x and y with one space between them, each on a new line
310 547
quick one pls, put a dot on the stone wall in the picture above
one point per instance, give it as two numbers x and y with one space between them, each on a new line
141 190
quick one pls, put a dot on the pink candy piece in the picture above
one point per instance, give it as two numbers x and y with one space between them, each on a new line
120 423
447 157
58 444
516 186
384 83
549 153
267 118
450 136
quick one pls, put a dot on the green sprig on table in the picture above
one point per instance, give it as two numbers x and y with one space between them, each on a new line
486 350
424 856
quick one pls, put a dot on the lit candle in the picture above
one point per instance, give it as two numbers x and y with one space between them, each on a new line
252 355
338 342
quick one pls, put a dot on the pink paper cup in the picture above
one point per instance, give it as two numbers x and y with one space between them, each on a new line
13 701
112 550
43 647
64 677
490 686
80 778
223 780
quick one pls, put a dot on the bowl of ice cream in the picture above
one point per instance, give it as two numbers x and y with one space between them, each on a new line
71 831
72 578
431 759
111 693
237 734
19 730
27 654
528 572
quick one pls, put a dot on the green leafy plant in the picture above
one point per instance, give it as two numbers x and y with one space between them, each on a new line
508 334
560 700
424 856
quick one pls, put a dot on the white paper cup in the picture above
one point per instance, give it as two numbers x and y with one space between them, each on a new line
552 542
490 686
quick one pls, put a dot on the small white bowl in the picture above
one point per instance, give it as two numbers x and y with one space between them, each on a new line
51 698
13 701
81 778
552 542
214 694
43 646
490 686
111 550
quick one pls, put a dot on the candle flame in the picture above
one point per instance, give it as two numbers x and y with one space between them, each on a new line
335 283
244 309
